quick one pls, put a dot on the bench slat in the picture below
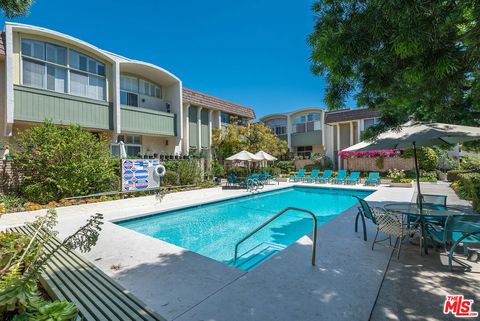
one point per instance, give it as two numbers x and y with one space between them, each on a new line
98 297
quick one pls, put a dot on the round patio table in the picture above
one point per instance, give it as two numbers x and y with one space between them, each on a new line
429 212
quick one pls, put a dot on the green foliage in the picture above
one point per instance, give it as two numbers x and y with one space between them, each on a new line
11 202
470 163
396 175
15 8
428 176
253 138
379 162
402 58
171 178
217 169
427 158
22 258
237 171
310 167
445 162
63 161
189 172
171 165
452 175
468 187
285 166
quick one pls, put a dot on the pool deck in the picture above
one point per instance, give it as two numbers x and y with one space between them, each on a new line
182 285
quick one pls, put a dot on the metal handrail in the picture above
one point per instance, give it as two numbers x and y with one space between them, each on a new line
314 245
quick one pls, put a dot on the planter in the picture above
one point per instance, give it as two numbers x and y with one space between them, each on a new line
401 184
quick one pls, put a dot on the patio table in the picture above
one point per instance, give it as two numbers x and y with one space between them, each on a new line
429 211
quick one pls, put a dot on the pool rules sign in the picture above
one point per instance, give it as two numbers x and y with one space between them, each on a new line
138 174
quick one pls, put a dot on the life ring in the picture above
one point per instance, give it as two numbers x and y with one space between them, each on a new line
160 170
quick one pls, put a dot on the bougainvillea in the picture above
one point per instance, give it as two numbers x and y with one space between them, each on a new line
371 153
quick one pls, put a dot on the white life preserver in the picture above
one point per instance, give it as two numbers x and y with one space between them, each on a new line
160 170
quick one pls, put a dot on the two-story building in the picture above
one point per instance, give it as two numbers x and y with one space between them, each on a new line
47 75
314 130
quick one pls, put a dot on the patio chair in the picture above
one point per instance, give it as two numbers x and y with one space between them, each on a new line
365 211
233 181
354 178
341 175
458 229
438 202
373 179
299 176
312 177
327 175
270 177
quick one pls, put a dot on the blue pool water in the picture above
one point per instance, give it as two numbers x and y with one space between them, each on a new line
213 229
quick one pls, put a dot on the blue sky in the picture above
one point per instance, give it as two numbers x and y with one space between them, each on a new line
250 52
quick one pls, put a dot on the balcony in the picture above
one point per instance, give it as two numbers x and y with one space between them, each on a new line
307 138
147 121
37 105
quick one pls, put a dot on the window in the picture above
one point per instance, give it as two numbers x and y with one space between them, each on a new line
131 87
133 145
304 151
278 125
52 67
307 123
225 117
369 122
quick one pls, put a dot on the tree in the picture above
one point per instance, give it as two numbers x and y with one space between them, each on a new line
251 137
60 162
15 8
403 58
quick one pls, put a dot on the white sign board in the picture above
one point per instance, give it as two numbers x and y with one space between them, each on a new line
138 174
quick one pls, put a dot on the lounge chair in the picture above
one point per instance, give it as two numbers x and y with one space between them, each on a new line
312 177
299 176
233 181
354 178
327 175
340 177
373 179
458 229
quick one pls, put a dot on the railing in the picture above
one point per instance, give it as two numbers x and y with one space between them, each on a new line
254 185
314 245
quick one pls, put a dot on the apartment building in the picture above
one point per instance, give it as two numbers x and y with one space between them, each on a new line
49 75
314 130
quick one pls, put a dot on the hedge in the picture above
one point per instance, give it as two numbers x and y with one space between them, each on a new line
468 187
452 175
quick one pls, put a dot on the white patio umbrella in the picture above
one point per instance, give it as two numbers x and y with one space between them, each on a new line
123 151
417 134
265 156
243 156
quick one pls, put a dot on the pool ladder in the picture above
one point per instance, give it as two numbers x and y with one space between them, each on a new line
314 245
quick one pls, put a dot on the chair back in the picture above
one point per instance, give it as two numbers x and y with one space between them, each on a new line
355 175
342 173
435 200
301 172
467 224
267 173
314 173
230 178
367 211
373 176
327 173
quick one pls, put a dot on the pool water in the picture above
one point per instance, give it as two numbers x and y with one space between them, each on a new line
213 229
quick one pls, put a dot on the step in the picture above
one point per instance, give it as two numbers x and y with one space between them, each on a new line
257 255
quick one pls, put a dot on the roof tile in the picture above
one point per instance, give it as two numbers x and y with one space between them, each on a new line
337 116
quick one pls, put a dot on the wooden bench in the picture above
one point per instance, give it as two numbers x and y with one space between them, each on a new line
68 276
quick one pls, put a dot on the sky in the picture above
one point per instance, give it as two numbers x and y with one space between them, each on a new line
251 52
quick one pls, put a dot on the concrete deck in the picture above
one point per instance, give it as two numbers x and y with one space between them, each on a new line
182 285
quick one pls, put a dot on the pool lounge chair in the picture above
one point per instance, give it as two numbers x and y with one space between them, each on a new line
354 178
373 179
327 176
312 177
299 176
340 177
233 181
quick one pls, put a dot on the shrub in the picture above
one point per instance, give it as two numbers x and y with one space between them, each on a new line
310 167
189 172
396 175
11 202
445 161
171 178
470 163
452 175
285 166
61 162
171 165
427 158
237 171
217 169
468 187
428 176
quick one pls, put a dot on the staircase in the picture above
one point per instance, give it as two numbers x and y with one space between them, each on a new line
257 255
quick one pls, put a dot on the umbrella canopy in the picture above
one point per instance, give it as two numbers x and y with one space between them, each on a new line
265 156
416 134
123 151
420 134
244 156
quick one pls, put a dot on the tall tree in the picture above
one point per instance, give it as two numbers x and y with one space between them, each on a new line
402 57
15 8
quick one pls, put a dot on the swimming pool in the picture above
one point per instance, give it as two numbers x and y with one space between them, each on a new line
213 229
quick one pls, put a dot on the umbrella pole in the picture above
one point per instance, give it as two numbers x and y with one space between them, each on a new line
423 241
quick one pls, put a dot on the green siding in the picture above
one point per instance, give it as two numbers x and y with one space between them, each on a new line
147 121
192 126
307 139
204 129
37 105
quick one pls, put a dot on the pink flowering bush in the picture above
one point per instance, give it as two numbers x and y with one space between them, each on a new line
371 153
